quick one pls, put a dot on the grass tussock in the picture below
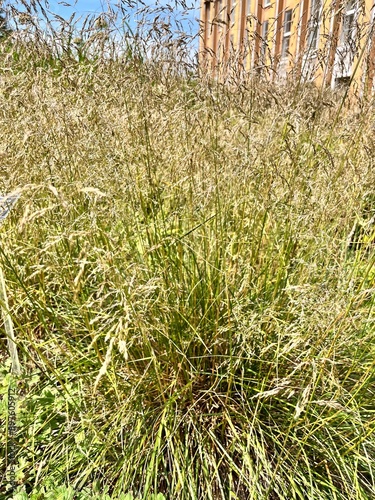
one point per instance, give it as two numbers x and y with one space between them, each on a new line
191 278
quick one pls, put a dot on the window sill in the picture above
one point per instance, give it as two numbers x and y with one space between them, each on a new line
312 54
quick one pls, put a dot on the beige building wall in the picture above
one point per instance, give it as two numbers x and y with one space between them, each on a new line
329 42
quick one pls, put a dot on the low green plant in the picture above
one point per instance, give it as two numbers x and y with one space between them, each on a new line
67 493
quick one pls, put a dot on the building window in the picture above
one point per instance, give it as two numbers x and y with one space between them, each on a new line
287 31
348 23
233 14
314 23
247 21
220 19
263 48
207 14
220 10
342 83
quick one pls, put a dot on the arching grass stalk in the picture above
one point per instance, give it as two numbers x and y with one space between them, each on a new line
8 326
6 204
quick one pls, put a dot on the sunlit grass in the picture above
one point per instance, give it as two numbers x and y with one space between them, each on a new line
194 315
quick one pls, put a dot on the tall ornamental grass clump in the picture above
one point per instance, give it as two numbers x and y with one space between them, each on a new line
191 278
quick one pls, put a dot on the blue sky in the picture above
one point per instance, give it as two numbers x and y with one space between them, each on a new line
86 7
82 7
179 19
